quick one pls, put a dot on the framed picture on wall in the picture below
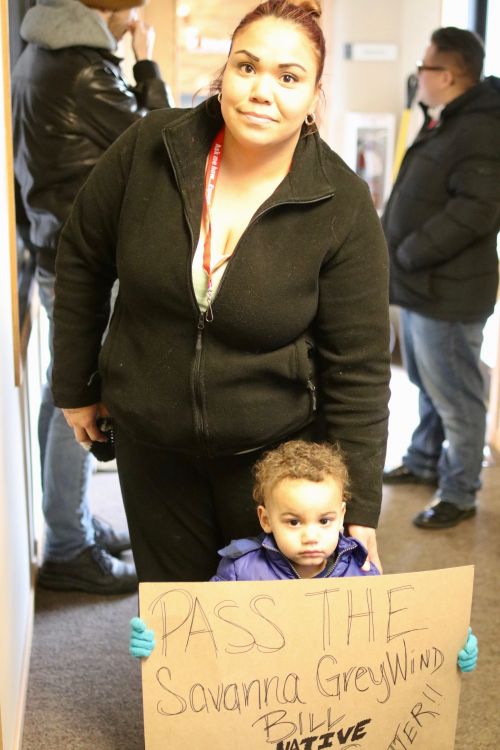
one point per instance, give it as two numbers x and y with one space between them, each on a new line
369 151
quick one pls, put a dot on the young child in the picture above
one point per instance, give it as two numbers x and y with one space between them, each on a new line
301 490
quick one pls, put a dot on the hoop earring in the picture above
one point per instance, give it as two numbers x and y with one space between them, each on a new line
310 119
219 97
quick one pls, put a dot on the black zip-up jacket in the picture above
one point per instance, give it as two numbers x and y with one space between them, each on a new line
69 104
443 215
302 308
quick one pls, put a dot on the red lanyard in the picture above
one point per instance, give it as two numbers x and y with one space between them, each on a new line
212 173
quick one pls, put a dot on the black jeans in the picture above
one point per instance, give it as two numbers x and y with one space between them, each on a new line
181 509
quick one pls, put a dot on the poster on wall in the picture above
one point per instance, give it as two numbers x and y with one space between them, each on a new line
366 663
369 140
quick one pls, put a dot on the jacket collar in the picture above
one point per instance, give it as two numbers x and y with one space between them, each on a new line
188 140
345 545
483 97
240 547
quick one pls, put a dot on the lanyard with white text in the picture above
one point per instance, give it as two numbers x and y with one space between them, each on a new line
212 173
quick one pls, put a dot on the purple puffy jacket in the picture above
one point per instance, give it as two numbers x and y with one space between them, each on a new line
259 559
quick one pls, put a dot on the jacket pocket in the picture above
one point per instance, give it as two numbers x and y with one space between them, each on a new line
109 343
306 370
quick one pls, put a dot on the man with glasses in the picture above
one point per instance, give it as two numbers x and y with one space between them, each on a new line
441 224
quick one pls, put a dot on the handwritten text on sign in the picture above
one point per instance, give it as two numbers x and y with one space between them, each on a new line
348 663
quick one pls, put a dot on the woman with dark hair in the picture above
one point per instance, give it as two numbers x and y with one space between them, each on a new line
252 306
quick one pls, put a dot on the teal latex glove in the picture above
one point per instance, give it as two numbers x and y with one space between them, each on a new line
467 657
142 640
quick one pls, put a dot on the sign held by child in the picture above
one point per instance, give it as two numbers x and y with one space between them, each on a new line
366 662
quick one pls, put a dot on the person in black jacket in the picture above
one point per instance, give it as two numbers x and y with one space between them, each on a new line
70 102
441 224
253 297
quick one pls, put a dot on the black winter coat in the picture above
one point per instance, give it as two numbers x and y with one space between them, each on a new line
300 316
443 215
68 106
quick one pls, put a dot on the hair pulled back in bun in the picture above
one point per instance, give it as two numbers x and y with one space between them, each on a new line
304 13
310 6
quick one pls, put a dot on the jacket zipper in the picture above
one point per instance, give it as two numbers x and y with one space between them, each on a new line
341 554
272 549
199 420
198 413
201 426
207 317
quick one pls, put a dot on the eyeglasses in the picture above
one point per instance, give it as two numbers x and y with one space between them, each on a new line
421 66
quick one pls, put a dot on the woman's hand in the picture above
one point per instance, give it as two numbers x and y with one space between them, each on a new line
83 423
368 537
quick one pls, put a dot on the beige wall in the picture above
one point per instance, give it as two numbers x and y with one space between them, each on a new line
356 86
161 15
194 68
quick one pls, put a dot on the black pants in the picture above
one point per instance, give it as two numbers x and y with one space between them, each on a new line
181 509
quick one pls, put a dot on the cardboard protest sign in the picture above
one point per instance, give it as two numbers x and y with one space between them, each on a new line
368 662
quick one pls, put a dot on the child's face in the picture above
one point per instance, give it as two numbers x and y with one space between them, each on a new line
305 518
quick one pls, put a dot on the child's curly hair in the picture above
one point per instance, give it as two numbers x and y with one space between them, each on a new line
298 459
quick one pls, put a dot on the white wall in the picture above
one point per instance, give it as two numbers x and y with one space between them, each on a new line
16 485
357 86
492 62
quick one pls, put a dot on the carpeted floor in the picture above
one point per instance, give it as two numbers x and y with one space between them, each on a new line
84 690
